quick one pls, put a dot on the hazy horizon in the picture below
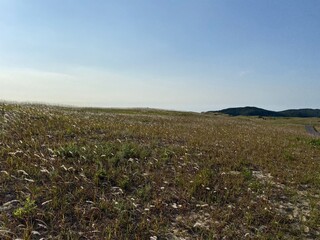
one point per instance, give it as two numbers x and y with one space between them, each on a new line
186 55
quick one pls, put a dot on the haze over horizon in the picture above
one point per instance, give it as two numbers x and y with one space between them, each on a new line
183 55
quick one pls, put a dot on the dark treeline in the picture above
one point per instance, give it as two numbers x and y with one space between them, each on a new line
254 111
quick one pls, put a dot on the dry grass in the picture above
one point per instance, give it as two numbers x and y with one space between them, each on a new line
138 174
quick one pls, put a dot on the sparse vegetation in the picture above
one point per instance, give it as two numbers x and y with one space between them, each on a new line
72 173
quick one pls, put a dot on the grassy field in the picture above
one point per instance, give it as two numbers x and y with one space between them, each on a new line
72 173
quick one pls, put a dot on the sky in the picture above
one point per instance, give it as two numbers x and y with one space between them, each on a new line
192 55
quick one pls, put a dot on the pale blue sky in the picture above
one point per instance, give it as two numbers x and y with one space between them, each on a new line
186 55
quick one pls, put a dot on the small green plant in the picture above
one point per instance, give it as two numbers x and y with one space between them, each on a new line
247 173
315 142
125 183
100 176
145 192
167 154
256 186
128 151
69 151
26 210
289 156
201 187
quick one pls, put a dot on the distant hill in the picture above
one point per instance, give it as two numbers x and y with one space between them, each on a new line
254 111
307 112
